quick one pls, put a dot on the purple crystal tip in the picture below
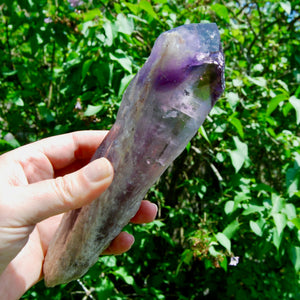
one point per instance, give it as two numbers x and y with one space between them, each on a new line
179 52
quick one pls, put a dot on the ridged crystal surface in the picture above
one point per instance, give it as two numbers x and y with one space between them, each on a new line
161 110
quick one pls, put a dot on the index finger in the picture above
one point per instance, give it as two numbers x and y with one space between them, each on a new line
63 150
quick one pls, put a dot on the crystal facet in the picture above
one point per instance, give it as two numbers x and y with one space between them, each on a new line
161 110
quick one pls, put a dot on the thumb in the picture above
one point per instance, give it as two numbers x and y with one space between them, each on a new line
54 196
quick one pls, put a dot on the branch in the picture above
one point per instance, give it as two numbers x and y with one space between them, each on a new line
51 71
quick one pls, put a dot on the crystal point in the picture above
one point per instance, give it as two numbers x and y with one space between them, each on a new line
161 110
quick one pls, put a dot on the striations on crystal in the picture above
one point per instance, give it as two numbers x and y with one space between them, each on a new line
161 110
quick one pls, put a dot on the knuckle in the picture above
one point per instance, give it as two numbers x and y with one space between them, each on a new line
65 191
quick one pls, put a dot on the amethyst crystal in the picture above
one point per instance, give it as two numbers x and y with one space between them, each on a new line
161 110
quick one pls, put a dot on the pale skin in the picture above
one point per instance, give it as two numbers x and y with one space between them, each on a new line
38 183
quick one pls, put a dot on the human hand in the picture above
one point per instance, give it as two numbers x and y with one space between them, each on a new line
39 182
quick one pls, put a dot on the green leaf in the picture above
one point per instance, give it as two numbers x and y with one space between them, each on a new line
109 261
286 6
256 228
275 102
277 203
238 156
296 222
11 140
237 82
224 241
85 29
284 85
258 68
91 14
294 253
85 68
231 229
45 112
233 99
125 24
133 7
202 131
105 289
296 104
92 110
122 59
146 6
290 211
109 33
280 222
259 81
277 238
221 11
253 209
10 73
293 179
229 207
18 101
224 264
124 83
187 256
238 125
122 273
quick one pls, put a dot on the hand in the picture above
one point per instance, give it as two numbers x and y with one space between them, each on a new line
39 182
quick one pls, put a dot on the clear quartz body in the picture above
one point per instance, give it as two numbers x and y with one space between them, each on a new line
161 111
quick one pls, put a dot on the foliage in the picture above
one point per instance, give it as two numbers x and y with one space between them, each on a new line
235 190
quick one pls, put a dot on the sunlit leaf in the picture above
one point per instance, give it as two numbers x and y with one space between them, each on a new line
259 81
224 241
108 260
280 222
277 203
239 155
125 24
253 209
109 33
233 99
92 110
229 207
122 273
290 211
296 104
203 133
286 6
145 5
277 238
92 14
284 85
133 7
296 222
255 227
124 83
122 59
221 11
275 102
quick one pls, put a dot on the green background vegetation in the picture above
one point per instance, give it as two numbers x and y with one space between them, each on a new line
234 191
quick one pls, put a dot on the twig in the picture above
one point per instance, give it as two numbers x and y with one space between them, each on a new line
51 70
88 293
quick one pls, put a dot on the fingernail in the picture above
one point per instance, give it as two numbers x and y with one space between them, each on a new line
98 170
